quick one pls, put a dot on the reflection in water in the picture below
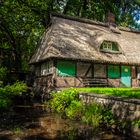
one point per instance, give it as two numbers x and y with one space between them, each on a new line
53 127
37 125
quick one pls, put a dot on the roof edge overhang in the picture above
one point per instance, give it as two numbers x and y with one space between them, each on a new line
86 60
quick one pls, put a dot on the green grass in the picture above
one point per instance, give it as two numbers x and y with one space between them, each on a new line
119 92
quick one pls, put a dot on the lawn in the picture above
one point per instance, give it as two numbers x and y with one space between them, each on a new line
120 92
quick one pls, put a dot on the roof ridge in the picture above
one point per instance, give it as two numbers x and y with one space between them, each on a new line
89 21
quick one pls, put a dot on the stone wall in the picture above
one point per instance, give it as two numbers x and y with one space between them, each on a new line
122 108
42 86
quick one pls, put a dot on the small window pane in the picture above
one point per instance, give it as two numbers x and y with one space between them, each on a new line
46 68
105 45
138 72
109 45
100 71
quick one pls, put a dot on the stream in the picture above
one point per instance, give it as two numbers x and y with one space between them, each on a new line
38 124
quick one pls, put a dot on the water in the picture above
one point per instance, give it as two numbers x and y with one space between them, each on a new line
36 124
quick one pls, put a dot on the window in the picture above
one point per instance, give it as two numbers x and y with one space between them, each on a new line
47 68
100 71
65 68
84 69
113 71
37 70
109 46
138 72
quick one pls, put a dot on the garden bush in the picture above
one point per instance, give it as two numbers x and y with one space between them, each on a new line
62 100
7 93
92 114
3 74
74 110
67 103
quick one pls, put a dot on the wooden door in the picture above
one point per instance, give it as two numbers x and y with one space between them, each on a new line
125 76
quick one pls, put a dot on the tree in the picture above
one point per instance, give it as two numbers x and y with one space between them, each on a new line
22 22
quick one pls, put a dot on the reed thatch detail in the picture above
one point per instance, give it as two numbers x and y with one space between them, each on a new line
80 39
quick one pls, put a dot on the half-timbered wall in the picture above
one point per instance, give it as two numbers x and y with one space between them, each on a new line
44 78
133 72
100 71
68 73
84 69
81 70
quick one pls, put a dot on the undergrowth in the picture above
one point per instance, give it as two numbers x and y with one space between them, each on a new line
68 104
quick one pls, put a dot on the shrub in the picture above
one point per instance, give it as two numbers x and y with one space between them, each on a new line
107 117
3 74
74 110
63 99
8 92
136 123
67 103
92 114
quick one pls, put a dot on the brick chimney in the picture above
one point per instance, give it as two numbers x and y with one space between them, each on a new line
111 23
111 19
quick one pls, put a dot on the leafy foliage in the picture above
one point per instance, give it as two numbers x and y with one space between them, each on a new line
92 114
63 99
137 123
22 22
67 103
74 110
3 73
8 92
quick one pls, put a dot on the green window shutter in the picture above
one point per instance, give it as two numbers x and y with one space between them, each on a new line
113 71
66 68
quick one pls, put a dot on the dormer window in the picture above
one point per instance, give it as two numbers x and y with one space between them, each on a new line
108 46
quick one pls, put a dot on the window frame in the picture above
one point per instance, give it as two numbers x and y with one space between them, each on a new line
48 66
107 46
110 47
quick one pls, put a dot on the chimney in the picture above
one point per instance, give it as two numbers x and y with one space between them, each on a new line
111 23
111 19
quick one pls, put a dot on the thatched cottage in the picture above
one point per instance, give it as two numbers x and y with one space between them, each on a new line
76 52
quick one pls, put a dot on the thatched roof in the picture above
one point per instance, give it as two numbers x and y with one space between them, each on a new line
80 39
